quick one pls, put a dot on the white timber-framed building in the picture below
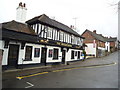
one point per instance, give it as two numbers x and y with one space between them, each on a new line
39 41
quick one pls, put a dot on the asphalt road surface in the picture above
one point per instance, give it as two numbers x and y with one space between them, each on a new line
87 77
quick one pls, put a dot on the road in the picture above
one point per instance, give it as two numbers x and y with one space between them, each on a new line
86 77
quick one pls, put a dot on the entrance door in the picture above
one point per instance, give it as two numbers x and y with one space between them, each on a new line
43 55
13 55
63 56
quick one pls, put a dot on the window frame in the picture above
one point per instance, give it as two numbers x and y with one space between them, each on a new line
30 57
54 57
50 55
35 53
72 54
78 57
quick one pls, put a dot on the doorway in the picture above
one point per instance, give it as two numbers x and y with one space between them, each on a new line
13 56
43 55
63 56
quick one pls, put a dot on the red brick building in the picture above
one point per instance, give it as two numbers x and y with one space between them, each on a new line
113 43
95 43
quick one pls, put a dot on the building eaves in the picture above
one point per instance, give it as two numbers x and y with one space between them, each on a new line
18 27
97 36
46 20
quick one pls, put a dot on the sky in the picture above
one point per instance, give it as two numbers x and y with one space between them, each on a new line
99 15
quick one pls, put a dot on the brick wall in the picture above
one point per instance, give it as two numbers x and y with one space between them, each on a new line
88 37
112 44
100 44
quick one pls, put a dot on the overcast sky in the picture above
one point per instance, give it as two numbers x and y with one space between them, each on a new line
90 14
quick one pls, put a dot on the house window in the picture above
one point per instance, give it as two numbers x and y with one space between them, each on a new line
28 53
36 52
50 53
72 54
78 54
55 54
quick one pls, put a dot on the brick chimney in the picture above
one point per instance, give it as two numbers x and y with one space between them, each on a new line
94 31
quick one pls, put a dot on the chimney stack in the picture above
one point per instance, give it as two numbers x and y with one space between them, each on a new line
94 31
20 4
72 27
24 5
110 37
21 12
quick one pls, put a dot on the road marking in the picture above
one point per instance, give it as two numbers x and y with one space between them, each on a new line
21 77
31 85
31 75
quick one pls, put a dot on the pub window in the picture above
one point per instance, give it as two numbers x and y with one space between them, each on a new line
36 52
78 54
58 35
53 34
66 37
50 53
70 39
72 54
28 53
48 33
73 39
61 36
55 54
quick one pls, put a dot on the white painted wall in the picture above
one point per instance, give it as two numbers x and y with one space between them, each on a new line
50 59
107 45
34 59
68 55
5 53
101 48
21 56
90 49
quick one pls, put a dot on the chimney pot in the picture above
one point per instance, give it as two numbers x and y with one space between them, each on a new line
70 26
24 5
94 31
20 4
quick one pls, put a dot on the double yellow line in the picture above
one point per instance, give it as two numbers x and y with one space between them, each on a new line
21 77
31 75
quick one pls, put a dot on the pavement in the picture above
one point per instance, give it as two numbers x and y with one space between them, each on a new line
48 68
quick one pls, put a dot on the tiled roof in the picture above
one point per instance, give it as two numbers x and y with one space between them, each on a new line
112 39
18 27
46 20
97 36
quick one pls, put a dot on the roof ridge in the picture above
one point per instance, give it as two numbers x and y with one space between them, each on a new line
54 23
